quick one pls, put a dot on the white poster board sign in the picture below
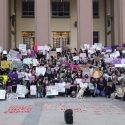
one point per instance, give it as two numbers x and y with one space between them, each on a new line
47 48
2 94
27 61
40 48
61 87
82 55
119 65
4 52
12 96
51 90
33 90
86 46
21 91
22 47
76 58
78 80
40 71
59 50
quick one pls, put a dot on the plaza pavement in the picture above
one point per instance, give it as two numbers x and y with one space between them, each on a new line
87 111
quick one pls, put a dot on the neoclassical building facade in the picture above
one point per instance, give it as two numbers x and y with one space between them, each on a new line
61 23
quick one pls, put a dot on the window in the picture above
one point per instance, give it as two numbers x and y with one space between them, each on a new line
27 8
61 39
95 37
96 8
60 8
28 39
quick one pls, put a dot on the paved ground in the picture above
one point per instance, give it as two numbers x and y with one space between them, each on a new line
87 111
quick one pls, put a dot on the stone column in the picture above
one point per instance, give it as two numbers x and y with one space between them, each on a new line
85 22
119 22
42 21
4 24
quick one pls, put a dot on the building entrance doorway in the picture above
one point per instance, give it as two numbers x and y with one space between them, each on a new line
28 39
60 39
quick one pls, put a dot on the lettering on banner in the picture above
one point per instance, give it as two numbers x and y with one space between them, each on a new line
51 90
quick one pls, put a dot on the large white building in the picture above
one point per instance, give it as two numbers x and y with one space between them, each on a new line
61 23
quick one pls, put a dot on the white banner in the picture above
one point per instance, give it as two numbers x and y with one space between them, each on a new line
33 90
22 47
76 58
21 91
2 94
78 80
40 71
27 61
61 87
59 50
51 90
11 96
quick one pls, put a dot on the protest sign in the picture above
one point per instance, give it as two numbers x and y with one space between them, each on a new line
40 71
6 64
2 94
27 61
12 96
108 60
97 45
13 53
91 50
47 48
10 58
76 58
22 47
119 65
61 87
51 90
33 90
17 64
78 80
35 62
19 56
82 55
21 91
116 61
59 50
53 53
40 48
5 78
86 46
4 52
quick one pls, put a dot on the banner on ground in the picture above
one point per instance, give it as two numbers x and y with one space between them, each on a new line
12 96
51 90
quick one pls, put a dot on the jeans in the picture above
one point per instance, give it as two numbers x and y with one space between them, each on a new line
39 95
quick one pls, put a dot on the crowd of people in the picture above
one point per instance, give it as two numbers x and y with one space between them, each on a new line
98 78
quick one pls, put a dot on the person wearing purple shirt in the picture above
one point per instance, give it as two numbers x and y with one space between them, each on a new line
14 77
